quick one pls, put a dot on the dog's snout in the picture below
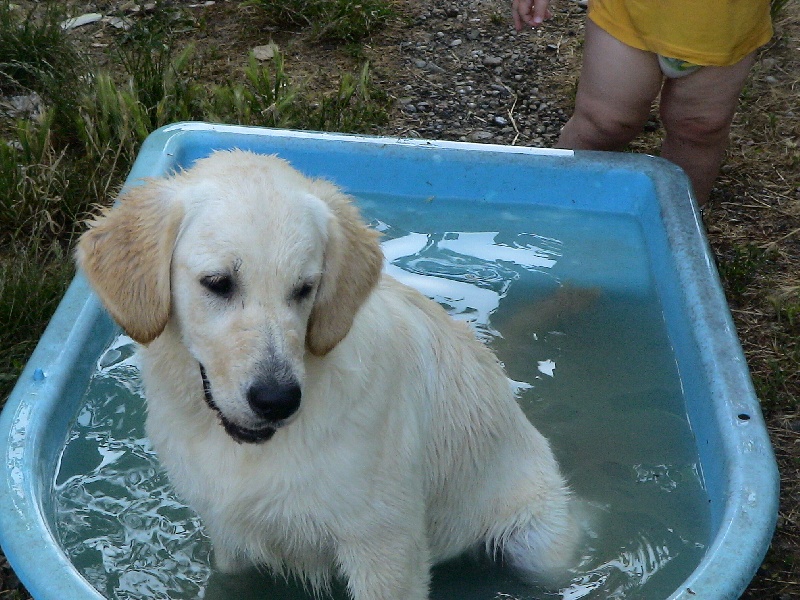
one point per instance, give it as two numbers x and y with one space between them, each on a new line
274 401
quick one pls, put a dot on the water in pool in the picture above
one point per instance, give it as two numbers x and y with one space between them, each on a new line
565 299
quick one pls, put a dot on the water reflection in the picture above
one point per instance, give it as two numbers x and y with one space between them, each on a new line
467 273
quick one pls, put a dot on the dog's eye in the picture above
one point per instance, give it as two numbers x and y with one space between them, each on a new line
219 285
302 291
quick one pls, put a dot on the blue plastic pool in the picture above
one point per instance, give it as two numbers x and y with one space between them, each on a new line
518 212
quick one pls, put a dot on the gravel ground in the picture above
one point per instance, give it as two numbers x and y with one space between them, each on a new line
469 76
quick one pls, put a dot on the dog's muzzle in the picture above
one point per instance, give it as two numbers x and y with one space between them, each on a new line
273 402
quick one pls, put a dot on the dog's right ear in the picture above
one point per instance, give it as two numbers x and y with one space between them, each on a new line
126 254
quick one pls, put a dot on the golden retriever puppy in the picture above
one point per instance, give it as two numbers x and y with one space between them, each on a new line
323 419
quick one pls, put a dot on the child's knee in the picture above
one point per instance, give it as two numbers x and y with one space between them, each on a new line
607 128
708 129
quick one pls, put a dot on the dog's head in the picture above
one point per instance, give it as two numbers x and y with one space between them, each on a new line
252 264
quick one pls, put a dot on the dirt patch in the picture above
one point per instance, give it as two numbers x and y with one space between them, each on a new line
458 71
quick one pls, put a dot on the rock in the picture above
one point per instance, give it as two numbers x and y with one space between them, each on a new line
266 52
492 61
122 23
22 107
480 135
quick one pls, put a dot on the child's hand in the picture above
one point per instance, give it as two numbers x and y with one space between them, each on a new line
530 12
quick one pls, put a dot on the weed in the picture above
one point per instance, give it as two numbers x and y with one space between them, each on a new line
356 106
497 18
786 304
740 267
342 21
160 79
269 99
273 98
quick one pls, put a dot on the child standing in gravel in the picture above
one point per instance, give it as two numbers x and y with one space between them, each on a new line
697 55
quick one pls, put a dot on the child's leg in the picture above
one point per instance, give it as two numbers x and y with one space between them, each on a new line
616 90
697 111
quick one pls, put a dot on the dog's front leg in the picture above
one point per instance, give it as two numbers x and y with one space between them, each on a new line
395 567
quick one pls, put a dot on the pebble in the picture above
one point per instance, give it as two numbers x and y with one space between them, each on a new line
480 135
27 106
471 71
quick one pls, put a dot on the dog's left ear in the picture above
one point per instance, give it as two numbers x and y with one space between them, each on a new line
352 268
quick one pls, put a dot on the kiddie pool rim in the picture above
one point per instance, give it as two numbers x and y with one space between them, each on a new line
750 510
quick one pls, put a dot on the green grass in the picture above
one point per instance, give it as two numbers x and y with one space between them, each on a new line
55 169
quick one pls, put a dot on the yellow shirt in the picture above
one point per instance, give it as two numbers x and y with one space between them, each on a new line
703 32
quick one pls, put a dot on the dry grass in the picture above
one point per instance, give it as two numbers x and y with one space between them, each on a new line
754 224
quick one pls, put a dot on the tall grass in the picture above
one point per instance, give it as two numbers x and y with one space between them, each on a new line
34 53
77 153
36 56
32 280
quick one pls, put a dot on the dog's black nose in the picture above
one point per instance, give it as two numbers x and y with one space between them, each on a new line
274 401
